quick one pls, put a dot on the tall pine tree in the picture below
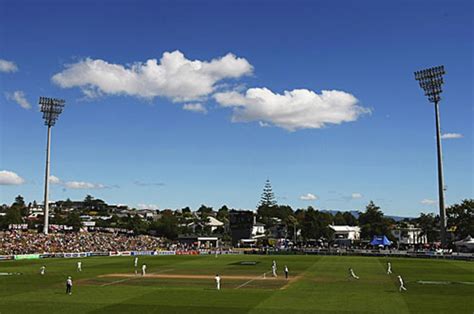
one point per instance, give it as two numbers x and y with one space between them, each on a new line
266 207
268 197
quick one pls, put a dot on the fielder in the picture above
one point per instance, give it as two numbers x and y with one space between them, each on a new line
135 263
79 266
389 268
218 282
402 286
42 270
143 269
352 274
286 272
69 285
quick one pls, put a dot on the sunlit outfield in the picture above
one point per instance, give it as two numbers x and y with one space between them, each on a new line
317 284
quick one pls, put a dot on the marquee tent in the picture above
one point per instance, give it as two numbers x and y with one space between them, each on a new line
380 240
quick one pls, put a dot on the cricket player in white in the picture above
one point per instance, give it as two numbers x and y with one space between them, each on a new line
402 286
286 272
143 269
69 285
274 270
79 266
135 263
389 268
42 270
352 274
218 282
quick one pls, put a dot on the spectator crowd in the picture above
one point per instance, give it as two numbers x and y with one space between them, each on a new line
23 242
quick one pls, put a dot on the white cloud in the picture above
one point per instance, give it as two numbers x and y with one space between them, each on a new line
80 185
19 97
10 178
76 185
308 197
174 76
292 110
54 180
147 206
197 107
428 202
7 66
448 136
356 195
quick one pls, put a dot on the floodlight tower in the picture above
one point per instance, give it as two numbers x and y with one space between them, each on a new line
431 81
51 109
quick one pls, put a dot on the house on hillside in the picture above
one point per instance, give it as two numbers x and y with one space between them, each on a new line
212 224
147 214
34 212
258 228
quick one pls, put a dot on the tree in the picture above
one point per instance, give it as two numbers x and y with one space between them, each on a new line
100 206
186 210
292 223
12 216
166 226
350 219
74 221
68 203
266 208
314 223
461 218
223 214
114 221
20 205
204 211
268 198
339 219
88 202
429 224
373 222
282 211
324 220
61 206
137 224
57 219
19 201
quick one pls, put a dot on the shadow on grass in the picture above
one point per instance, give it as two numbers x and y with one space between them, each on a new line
245 263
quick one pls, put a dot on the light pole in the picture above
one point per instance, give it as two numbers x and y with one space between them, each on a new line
431 81
51 109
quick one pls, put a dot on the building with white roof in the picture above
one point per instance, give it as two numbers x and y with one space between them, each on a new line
345 233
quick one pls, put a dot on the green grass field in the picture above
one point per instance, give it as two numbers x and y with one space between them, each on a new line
185 284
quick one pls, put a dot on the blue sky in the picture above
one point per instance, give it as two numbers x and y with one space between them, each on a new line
317 96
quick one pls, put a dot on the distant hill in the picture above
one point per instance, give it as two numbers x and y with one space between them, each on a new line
355 213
